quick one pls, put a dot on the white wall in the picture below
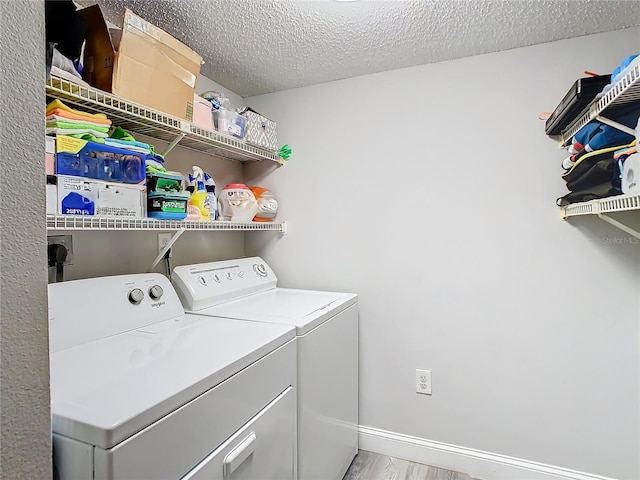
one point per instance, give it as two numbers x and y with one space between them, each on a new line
430 191
25 435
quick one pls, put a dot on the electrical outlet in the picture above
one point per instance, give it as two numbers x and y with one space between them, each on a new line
163 241
67 242
423 381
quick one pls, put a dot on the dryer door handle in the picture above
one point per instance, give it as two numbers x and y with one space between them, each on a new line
239 454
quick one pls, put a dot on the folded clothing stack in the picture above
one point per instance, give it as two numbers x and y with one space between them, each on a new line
63 120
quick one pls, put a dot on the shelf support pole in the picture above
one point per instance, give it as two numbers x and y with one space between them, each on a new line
616 125
166 249
619 225
173 144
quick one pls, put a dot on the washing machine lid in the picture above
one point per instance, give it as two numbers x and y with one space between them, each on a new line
104 391
303 309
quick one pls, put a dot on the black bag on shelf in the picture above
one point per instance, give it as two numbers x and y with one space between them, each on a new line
65 29
591 177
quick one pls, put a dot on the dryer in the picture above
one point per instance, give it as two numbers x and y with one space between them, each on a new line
326 326
141 390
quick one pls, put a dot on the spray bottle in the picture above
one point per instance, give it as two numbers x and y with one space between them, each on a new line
212 202
199 196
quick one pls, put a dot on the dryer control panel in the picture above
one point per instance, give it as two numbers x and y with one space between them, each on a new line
106 306
205 285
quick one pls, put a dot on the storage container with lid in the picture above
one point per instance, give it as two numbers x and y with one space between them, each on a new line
237 203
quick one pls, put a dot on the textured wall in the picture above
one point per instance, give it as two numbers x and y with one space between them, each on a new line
24 389
430 191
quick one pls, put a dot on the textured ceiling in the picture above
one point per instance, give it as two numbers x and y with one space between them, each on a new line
261 46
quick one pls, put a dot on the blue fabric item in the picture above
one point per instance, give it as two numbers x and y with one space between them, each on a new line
597 135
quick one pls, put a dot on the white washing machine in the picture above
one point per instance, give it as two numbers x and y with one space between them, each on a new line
326 326
139 390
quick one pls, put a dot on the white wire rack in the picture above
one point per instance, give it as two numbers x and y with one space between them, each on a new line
618 203
603 206
625 90
140 119
79 222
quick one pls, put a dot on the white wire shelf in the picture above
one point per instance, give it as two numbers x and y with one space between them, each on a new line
86 222
143 120
625 90
619 203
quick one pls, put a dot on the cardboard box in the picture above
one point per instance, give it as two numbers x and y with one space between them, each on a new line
83 196
148 66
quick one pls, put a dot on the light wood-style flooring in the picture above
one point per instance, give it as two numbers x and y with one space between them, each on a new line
372 466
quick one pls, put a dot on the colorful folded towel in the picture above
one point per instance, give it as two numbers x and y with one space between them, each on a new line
74 131
78 126
133 146
58 104
52 117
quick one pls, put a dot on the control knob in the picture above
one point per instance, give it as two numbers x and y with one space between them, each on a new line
155 292
260 269
135 296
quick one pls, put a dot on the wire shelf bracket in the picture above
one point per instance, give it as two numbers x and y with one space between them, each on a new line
166 248
625 90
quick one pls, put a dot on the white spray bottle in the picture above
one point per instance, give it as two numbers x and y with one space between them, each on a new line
212 202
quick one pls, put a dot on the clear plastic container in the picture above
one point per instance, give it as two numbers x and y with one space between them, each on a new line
230 123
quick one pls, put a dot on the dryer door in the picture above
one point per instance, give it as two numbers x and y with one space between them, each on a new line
264 448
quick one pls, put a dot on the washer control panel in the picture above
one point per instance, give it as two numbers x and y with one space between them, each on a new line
208 284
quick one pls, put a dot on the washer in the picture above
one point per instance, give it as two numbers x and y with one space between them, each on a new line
326 326
139 390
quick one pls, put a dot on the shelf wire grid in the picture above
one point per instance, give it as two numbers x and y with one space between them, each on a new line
79 222
625 90
620 203
143 120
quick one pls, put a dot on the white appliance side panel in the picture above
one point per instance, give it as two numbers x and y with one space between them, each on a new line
263 449
72 460
173 445
328 398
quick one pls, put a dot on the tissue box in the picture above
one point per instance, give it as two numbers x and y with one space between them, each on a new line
260 130
83 196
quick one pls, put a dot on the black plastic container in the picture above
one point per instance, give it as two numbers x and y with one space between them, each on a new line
579 96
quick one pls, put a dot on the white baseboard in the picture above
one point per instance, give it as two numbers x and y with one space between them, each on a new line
478 464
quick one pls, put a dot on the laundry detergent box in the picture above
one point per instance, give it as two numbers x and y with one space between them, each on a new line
84 196
81 158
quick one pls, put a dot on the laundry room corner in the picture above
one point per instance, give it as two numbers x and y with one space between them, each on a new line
430 190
